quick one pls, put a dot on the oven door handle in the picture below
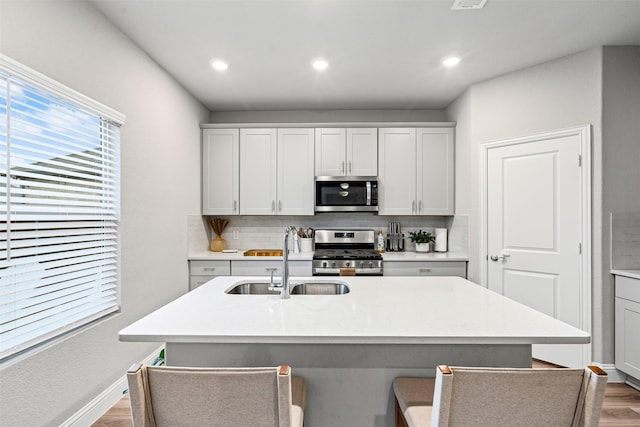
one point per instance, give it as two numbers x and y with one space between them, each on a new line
368 184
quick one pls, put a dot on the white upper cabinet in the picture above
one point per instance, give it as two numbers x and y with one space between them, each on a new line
331 151
295 188
435 154
258 171
220 171
271 171
346 152
397 173
416 171
362 151
276 171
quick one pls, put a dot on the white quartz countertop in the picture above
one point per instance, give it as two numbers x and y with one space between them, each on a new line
633 274
307 256
377 310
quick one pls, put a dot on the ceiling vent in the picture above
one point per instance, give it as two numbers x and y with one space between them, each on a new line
468 4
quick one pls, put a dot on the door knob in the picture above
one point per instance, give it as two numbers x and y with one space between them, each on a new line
503 257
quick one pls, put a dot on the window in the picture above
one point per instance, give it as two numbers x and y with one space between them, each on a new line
59 209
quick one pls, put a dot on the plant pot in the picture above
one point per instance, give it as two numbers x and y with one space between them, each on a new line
218 244
423 247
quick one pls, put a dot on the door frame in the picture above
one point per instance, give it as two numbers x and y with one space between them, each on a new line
584 134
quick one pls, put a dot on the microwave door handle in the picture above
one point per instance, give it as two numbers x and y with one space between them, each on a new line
368 184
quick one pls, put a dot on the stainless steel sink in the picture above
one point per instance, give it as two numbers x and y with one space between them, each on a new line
320 288
251 288
306 288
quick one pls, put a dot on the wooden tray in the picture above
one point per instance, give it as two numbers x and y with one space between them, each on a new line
263 252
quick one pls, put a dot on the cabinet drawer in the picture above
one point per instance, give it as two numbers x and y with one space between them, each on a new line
209 268
264 268
195 281
628 288
425 268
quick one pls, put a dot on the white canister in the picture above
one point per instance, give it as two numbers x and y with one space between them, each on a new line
306 244
441 240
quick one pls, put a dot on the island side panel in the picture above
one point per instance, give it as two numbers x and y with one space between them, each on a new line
349 384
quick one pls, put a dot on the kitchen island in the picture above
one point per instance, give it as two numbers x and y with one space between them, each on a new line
350 347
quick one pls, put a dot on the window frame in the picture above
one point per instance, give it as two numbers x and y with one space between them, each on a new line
106 120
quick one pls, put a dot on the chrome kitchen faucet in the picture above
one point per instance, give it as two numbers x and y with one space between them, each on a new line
284 288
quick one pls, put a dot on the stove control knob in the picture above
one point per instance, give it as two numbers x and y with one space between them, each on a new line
371 264
333 263
347 264
324 264
361 264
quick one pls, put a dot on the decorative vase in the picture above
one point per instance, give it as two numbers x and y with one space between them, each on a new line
218 244
423 247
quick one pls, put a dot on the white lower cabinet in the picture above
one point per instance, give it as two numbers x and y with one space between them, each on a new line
627 325
425 268
200 272
264 268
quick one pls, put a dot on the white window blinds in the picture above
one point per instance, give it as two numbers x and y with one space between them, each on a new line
59 210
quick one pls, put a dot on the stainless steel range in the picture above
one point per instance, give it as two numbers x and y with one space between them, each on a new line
346 252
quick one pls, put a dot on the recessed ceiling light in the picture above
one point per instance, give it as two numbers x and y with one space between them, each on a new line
219 65
451 61
320 64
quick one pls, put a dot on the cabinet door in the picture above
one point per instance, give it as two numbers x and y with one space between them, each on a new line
295 172
627 325
258 168
397 171
435 154
362 152
330 151
220 171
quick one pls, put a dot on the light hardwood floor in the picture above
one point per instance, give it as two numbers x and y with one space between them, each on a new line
621 407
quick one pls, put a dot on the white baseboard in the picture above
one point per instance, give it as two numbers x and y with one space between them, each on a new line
93 410
633 382
614 375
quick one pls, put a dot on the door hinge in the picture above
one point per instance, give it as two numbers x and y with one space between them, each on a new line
580 248
579 160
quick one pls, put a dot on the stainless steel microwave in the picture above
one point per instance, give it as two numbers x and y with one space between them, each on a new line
346 194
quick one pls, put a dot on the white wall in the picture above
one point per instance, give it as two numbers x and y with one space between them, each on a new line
72 43
317 116
620 163
554 95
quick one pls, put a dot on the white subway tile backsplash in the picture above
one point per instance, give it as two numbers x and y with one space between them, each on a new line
625 240
267 232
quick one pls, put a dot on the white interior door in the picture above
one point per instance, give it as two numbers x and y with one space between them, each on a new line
534 233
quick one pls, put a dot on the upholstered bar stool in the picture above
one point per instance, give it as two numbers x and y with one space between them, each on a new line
230 397
461 396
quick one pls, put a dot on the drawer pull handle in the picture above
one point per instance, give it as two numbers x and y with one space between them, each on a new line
425 270
209 269
271 269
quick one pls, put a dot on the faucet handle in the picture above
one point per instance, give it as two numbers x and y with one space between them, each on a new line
271 270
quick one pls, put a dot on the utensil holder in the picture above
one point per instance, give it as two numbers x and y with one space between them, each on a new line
306 245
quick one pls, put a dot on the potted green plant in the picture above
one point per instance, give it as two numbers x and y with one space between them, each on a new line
422 239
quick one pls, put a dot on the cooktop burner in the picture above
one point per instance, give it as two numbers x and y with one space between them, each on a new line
346 254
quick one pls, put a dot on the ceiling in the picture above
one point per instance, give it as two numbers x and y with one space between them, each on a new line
383 54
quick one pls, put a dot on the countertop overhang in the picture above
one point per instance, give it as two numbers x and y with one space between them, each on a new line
377 310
